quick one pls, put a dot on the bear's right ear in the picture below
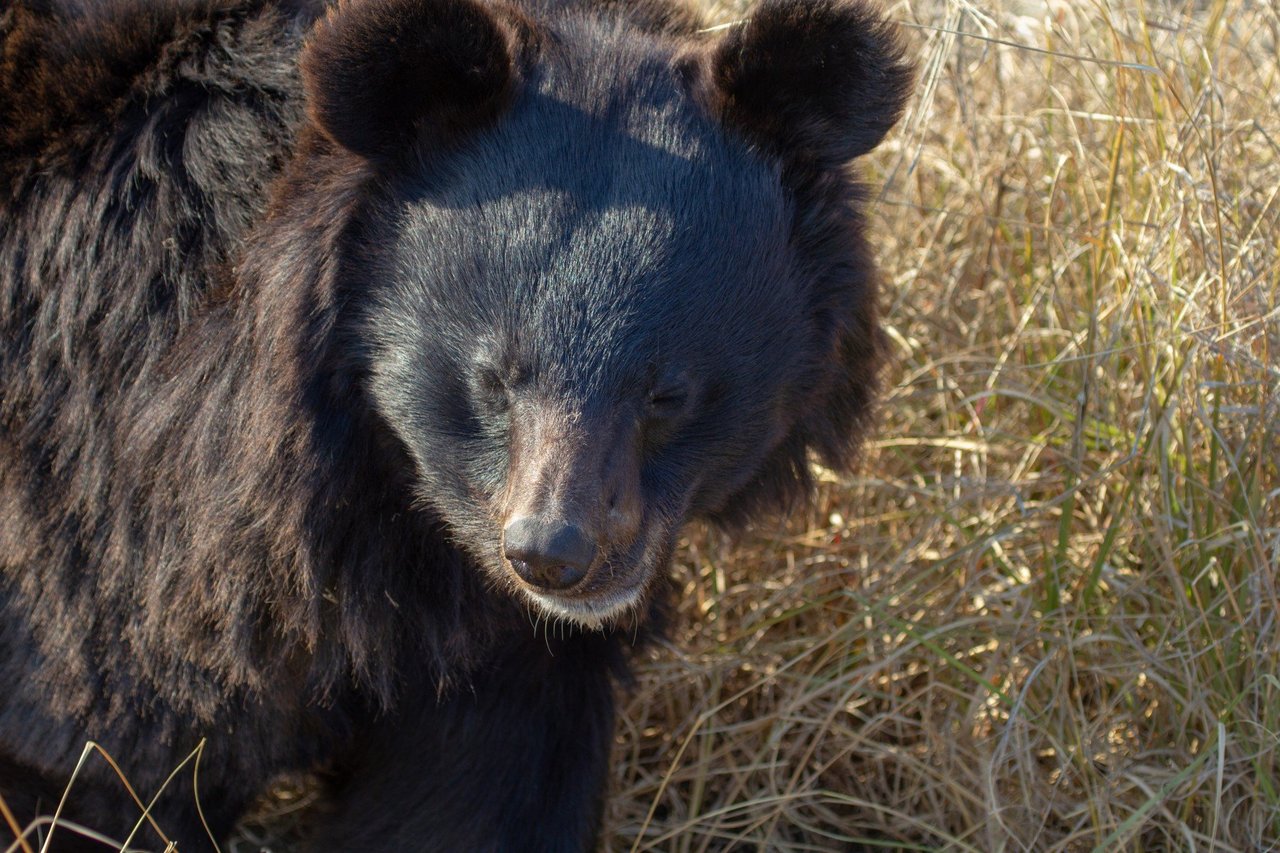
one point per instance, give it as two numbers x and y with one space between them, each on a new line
820 81
377 72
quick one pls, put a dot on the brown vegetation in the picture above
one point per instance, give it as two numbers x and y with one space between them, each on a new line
1046 615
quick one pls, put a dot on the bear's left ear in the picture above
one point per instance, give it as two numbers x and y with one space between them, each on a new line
377 72
822 81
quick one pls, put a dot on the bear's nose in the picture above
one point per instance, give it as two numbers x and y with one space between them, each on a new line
548 554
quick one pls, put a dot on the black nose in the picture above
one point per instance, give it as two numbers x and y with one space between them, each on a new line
548 554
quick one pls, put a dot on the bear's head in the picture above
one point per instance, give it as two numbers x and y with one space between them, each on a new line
611 277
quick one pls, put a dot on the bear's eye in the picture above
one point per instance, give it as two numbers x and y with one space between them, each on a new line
669 400
490 389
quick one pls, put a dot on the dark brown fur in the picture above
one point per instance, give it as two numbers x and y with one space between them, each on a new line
209 528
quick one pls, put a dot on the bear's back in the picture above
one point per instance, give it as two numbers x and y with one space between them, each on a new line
138 141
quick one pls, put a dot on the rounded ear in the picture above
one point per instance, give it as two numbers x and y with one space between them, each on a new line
377 72
818 80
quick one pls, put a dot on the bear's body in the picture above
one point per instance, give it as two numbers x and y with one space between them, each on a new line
319 389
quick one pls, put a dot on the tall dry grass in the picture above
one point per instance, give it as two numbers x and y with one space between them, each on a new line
1045 617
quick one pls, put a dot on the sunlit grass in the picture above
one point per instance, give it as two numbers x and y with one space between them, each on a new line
1045 615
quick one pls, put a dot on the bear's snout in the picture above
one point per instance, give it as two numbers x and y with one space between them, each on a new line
550 554
573 510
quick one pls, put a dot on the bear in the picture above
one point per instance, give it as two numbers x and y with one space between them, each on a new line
361 365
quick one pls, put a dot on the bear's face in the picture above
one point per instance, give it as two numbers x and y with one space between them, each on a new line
594 313
593 338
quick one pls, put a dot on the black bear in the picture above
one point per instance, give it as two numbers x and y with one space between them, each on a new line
361 365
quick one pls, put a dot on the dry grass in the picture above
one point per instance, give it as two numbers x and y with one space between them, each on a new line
1046 615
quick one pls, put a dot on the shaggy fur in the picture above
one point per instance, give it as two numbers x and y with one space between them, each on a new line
275 343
